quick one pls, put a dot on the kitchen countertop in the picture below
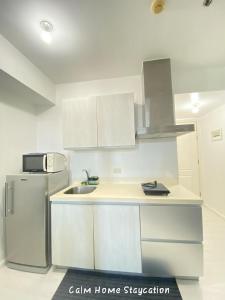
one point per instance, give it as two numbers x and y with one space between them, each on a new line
127 193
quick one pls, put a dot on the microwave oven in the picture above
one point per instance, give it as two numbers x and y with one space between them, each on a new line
50 162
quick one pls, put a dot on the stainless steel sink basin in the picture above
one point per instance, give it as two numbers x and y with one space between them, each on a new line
80 190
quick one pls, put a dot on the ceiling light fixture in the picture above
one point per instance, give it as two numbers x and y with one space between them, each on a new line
207 2
46 31
158 6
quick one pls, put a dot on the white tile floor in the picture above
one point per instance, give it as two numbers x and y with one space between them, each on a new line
212 285
16 285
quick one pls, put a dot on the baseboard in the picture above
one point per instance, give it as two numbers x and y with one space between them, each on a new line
2 262
215 211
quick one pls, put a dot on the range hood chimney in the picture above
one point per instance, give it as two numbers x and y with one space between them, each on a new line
159 104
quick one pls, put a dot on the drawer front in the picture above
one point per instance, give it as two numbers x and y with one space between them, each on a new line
172 259
171 222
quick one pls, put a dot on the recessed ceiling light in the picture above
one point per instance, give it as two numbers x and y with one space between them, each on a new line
195 109
46 31
194 98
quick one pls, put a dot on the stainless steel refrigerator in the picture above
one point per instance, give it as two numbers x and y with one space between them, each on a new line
27 219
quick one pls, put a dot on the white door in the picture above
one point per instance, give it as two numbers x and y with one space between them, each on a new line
188 162
79 123
116 120
117 238
72 235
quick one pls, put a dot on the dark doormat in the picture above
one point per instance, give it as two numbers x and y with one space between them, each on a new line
84 285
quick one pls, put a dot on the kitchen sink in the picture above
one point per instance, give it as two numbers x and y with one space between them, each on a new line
80 190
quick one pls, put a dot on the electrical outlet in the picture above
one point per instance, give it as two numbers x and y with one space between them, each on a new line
117 171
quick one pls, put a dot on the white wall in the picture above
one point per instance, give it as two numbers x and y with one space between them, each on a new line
154 159
212 160
197 79
19 67
17 136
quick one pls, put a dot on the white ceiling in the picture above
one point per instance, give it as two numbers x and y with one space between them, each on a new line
96 39
208 101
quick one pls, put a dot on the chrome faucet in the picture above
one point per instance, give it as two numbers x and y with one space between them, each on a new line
86 171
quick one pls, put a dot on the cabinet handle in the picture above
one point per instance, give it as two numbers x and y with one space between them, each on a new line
45 163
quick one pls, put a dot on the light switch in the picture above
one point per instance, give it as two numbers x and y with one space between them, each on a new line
217 134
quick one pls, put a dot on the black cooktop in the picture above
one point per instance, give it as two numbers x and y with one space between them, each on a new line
154 188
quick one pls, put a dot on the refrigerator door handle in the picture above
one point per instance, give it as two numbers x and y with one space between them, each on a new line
9 209
6 199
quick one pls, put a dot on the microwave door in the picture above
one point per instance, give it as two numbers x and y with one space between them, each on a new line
34 163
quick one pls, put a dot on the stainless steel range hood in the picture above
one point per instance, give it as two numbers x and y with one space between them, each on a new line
159 104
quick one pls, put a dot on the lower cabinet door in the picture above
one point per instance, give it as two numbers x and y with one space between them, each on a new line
72 235
117 238
171 259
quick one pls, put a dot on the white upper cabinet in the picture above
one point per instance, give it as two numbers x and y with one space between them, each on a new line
103 121
116 120
79 123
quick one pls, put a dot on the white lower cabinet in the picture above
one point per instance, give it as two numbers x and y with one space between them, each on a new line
72 235
104 237
156 240
117 238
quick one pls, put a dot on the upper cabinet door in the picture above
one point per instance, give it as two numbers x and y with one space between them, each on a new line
79 123
116 120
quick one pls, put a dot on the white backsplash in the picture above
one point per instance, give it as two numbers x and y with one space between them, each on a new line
147 160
